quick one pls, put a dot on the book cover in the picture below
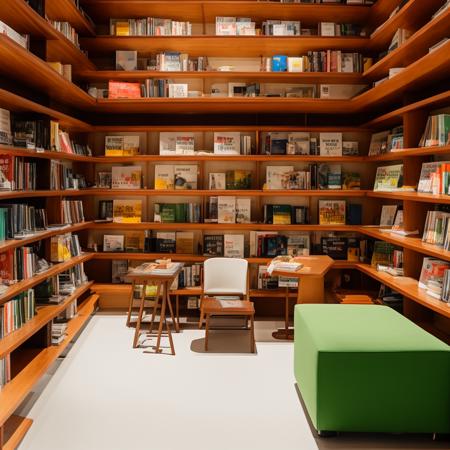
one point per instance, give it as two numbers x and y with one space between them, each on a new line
276 176
7 172
164 176
122 145
127 211
165 242
184 144
217 181
134 241
227 143
238 179
213 245
126 177
176 143
233 245
185 176
243 210
351 181
388 215
119 270
281 214
178 90
226 209
388 178
298 143
332 212
126 60
350 148
278 142
185 242
113 243
330 144
382 253
335 247
298 244
5 127
121 89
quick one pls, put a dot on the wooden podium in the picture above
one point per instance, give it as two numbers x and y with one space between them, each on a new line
311 286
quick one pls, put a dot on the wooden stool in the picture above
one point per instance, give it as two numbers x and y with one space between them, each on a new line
214 307
163 284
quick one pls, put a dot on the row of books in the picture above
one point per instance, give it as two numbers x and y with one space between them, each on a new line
16 312
436 230
435 278
437 131
18 264
64 246
72 211
62 177
149 26
17 174
67 30
18 220
386 141
22 40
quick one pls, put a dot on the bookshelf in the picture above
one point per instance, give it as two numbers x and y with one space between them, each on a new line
406 99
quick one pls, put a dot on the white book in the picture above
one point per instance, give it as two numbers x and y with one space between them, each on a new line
327 29
330 144
340 91
13 34
217 181
299 143
164 176
233 245
347 64
186 176
388 215
226 26
243 210
178 90
126 177
295 64
226 209
5 127
227 143
113 243
184 144
176 143
276 175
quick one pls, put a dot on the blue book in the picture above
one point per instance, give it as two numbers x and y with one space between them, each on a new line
279 63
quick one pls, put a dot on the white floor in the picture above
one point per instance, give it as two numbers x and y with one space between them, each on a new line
107 396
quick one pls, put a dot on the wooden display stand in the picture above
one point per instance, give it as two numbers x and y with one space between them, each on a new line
311 286
163 283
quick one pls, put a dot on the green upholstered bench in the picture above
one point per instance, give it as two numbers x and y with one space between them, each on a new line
362 368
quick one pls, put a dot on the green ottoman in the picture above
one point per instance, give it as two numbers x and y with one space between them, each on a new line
369 369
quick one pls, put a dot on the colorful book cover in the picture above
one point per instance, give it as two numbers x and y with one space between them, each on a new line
164 176
238 179
121 89
126 177
226 208
227 143
332 212
6 172
186 176
127 211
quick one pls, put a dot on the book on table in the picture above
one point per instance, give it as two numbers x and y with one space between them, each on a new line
284 264
160 267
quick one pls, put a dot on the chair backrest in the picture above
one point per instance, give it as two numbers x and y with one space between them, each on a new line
226 275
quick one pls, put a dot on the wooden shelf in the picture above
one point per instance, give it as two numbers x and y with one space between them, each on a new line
228 192
206 11
216 226
413 49
14 243
381 10
28 283
41 193
16 103
19 151
14 392
210 45
17 63
393 118
411 152
408 287
274 77
411 196
222 105
66 10
411 16
24 19
43 316
15 429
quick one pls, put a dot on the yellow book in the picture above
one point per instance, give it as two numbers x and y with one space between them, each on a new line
134 241
113 152
127 211
122 28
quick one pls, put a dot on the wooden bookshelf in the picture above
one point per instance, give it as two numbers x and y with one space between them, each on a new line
14 392
14 430
28 283
411 196
43 316
66 10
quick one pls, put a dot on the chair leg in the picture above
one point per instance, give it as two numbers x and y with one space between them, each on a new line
252 334
206 332
202 316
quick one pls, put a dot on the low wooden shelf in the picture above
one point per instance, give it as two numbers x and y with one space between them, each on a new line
28 283
14 392
15 429
43 316
66 10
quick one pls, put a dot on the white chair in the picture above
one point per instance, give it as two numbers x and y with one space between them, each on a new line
224 276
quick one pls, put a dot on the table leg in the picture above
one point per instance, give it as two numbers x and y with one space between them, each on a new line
311 290
169 303
155 306
169 333
252 333
162 315
285 333
139 319
130 306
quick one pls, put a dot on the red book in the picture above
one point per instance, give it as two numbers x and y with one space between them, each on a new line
7 172
6 265
119 89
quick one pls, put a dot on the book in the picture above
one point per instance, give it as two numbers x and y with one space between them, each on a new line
126 60
432 276
298 143
437 131
388 215
389 178
7 172
165 242
176 143
329 176
335 247
330 144
127 211
227 143
213 245
122 145
125 90
281 214
185 176
233 245
332 212
354 214
217 181
178 90
277 143
266 281
350 148
5 127
243 210
277 176
238 179
185 242
105 209
226 208
126 177
164 176
436 229
113 243
351 181
298 244
383 253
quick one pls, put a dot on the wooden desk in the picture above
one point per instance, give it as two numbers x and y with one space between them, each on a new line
163 282
311 286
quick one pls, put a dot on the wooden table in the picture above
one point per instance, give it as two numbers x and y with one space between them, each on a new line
311 286
163 282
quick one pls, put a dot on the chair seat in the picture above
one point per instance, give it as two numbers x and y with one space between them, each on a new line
229 307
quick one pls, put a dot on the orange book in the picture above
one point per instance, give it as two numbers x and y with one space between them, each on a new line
120 89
